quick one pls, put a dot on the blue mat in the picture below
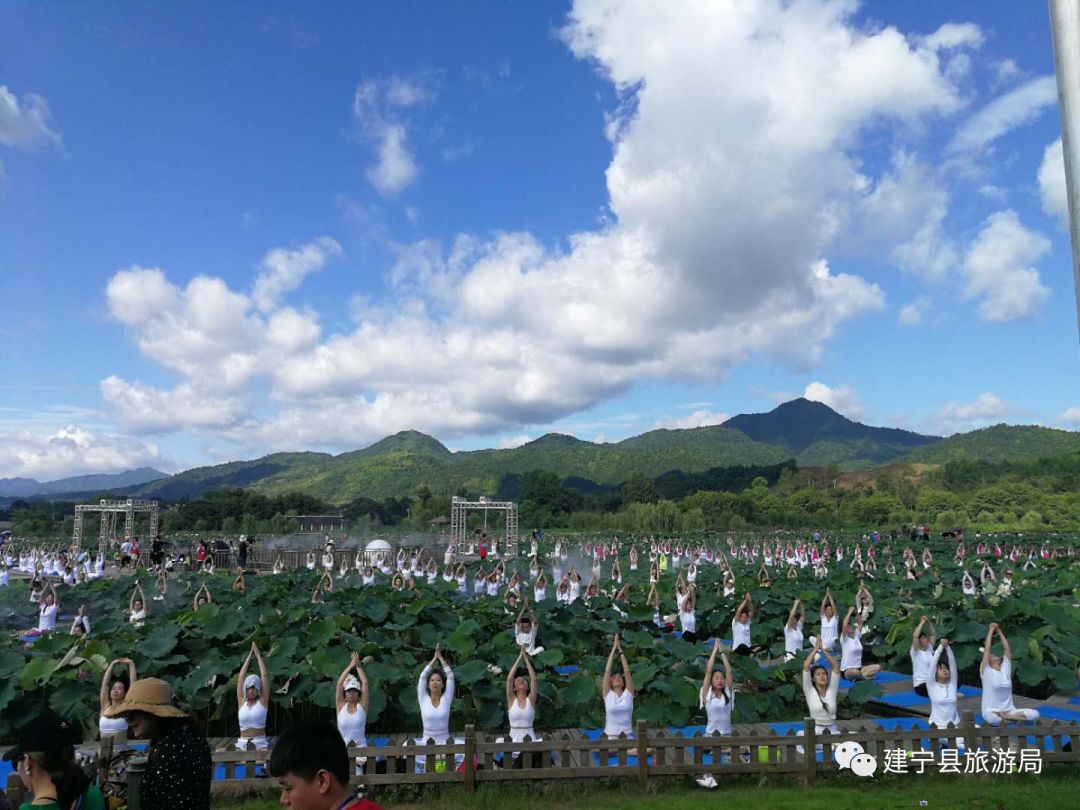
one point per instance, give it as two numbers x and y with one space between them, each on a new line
612 761
1075 699
904 699
1058 713
882 677
566 669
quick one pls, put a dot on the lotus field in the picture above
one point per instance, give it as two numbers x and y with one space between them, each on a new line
306 645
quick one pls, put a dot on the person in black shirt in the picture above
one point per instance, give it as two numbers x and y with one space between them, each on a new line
178 765
242 551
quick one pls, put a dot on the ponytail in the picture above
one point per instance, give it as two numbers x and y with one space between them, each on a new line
71 783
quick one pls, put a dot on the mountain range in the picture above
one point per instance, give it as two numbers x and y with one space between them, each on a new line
810 433
32 488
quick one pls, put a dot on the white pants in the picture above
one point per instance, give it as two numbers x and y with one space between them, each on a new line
992 719
245 743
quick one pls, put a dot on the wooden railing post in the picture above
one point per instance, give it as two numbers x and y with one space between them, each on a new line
136 767
810 750
967 723
470 758
642 754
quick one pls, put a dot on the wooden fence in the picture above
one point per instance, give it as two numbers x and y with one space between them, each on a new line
478 758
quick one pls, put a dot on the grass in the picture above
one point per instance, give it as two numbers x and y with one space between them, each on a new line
1054 789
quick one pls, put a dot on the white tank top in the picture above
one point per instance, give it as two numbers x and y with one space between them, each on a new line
688 620
112 725
353 725
539 594
521 720
619 713
252 718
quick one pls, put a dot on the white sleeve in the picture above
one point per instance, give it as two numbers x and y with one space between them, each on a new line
449 674
421 685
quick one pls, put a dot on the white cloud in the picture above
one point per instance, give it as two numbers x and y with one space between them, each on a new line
377 107
72 450
959 416
1070 417
702 418
955 35
1007 112
998 271
912 314
149 410
24 125
841 399
510 442
500 331
1052 188
284 270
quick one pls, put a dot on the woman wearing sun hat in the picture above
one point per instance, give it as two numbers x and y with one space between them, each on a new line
44 759
352 701
178 765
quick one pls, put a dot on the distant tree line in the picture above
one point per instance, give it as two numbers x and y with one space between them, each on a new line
1016 495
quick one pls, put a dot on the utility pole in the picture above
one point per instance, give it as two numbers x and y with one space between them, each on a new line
1065 29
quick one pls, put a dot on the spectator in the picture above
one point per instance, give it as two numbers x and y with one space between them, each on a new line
44 759
242 551
178 765
311 763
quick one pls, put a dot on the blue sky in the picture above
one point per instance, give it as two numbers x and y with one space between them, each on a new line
231 229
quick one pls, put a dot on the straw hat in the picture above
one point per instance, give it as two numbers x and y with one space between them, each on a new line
150 695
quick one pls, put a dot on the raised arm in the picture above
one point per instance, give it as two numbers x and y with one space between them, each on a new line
365 692
605 684
809 662
448 674
709 668
339 692
240 698
954 676
1005 648
932 633
917 632
986 646
511 675
847 619
628 679
534 689
103 694
832 661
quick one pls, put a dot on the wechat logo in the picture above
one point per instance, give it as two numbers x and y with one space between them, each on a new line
851 755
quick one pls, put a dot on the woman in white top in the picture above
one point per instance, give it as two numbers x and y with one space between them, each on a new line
113 690
997 697
718 699
137 607
718 694
967 583
830 621
687 617
521 695
618 693
942 690
253 700
49 609
740 629
352 701
851 650
793 630
819 688
80 625
4 575
309 561
435 694
540 588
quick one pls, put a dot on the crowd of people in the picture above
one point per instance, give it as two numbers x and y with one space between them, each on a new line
143 708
